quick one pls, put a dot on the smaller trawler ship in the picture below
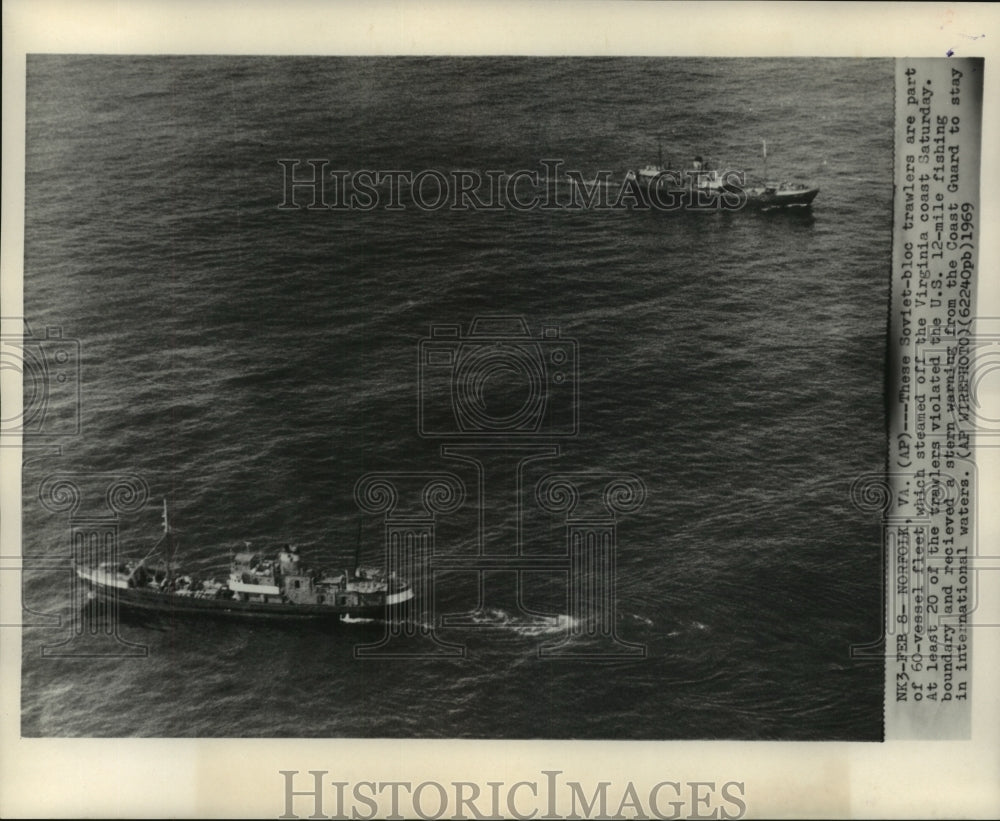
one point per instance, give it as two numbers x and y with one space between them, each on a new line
705 187
258 586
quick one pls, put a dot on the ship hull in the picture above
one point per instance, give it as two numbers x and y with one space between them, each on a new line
729 199
661 194
797 198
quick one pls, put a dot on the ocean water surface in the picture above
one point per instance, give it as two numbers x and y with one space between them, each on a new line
252 363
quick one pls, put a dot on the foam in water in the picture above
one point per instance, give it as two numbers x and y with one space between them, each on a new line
533 626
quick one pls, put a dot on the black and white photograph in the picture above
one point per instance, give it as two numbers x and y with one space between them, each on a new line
410 395
248 349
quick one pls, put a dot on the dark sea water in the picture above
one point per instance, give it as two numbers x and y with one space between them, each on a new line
251 364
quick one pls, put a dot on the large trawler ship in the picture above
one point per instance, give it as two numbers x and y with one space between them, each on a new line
278 586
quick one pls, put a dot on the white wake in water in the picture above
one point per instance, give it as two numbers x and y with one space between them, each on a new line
527 625
495 618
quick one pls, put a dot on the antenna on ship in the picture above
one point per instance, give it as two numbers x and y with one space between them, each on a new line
357 547
764 143
167 532
155 547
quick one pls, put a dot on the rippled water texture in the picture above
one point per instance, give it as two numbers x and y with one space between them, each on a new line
251 364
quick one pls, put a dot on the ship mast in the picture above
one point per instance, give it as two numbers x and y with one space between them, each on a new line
357 547
153 549
169 544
